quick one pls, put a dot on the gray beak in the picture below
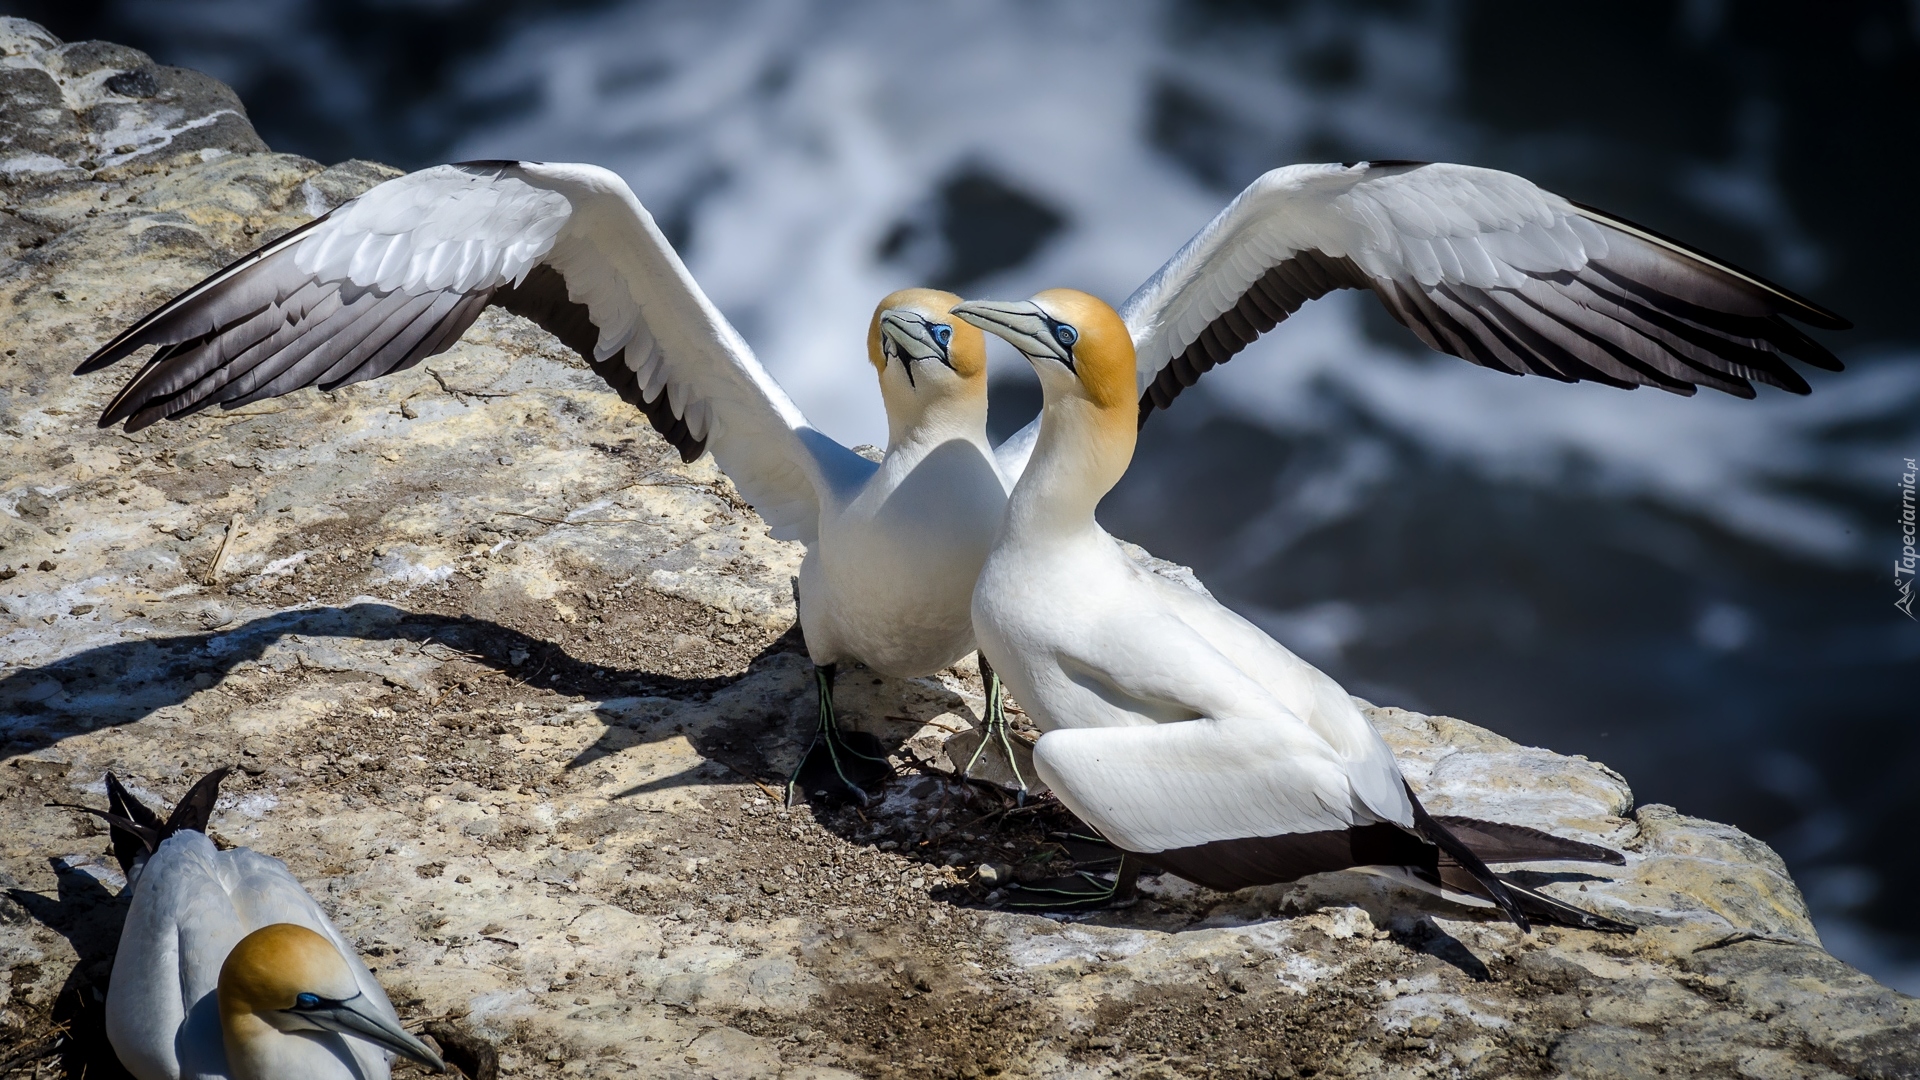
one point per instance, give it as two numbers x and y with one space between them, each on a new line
1021 323
909 337
356 1016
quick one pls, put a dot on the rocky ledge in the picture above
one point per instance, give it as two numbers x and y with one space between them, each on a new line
510 688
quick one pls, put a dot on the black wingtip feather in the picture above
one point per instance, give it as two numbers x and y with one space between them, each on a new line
136 830
1443 838
130 340
195 808
1799 307
1500 842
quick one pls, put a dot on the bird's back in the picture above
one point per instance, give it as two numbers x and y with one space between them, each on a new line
192 903
1307 691
162 1017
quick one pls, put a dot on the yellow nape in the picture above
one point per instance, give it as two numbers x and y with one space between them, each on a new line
1103 357
271 967
967 350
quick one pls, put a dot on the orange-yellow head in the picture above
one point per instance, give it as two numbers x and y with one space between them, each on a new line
915 327
932 366
285 977
1079 347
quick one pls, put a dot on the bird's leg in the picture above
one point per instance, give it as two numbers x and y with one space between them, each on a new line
829 751
1084 889
995 728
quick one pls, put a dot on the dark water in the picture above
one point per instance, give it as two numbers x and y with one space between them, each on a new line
1699 593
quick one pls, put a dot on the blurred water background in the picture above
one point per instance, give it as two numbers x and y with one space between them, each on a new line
1697 591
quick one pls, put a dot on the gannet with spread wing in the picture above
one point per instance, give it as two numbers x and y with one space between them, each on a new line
400 272
1173 726
226 967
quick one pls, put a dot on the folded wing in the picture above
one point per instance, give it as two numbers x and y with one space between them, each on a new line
399 273
1479 264
1171 786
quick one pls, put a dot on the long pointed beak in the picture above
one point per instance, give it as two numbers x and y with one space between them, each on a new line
912 338
1021 323
355 1016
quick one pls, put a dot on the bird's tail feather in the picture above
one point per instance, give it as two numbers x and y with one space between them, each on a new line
1451 846
137 830
1537 905
1499 842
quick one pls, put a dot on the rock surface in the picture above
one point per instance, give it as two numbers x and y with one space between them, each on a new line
511 688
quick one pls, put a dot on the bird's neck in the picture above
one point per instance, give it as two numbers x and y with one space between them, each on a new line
1081 453
250 1043
919 423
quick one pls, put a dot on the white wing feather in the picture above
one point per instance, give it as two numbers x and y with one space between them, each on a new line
1475 227
1157 787
1194 745
400 271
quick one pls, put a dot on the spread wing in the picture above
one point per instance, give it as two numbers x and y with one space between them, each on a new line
1480 264
399 273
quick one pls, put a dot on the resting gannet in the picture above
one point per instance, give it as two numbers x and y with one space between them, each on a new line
1477 263
227 968
1174 727
399 273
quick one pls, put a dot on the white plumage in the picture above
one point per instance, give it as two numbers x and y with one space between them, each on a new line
1174 727
192 903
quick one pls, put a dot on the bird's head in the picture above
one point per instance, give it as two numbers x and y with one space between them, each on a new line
914 332
289 978
1077 344
926 358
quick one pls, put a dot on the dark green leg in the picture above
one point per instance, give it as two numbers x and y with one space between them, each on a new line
995 729
830 755
1083 890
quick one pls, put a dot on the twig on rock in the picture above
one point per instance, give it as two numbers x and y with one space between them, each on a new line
742 772
233 530
458 394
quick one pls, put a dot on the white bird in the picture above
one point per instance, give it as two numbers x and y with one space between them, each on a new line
400 272
227 968
1174 727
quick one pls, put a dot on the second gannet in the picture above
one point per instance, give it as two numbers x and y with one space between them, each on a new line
227 968
399 273
1174 727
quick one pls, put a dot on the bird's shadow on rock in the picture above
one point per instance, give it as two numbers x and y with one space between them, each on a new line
750 724
89 914
127 681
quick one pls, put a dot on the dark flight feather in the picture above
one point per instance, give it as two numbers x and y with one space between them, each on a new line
1650 312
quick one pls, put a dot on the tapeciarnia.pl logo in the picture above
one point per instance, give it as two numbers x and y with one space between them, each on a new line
1903 566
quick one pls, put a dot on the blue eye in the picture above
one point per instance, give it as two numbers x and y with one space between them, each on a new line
1065 335
943 334
307 1001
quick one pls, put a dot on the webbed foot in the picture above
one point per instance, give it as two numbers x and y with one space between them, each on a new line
837 764
994 732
